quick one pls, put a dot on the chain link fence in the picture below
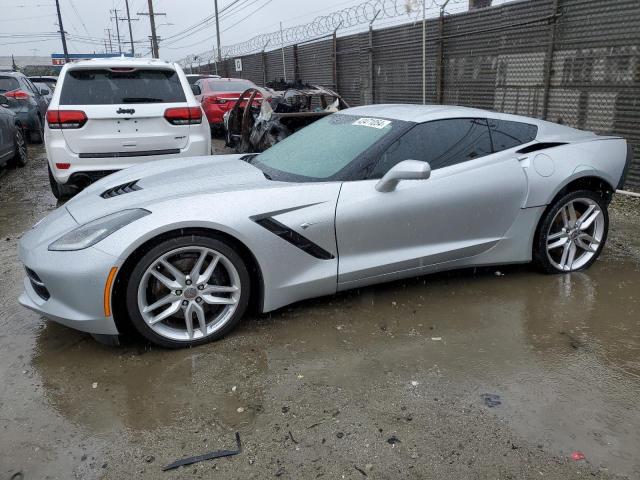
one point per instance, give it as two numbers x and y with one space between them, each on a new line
575 62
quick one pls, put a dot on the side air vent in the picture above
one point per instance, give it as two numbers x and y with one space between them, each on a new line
121 189
540 146
293 238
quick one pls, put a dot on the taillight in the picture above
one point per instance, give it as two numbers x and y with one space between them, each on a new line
183 115
66 119
214 99
17 94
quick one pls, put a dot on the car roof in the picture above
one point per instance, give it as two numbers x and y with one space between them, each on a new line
424 113
229 79
419 113
120 62
12 74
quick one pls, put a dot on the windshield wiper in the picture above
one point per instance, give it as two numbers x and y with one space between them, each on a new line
141 100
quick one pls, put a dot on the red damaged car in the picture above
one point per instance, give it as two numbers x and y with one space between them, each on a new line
217 95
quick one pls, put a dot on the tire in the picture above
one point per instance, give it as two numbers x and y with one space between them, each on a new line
20 156
221 311
60 191
568 242
37 135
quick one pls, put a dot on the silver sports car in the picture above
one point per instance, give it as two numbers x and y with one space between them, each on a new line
180 248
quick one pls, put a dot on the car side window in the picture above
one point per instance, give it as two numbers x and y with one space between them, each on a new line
507 134
442 143
30 85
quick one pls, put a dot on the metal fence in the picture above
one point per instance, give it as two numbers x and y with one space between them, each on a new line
576 62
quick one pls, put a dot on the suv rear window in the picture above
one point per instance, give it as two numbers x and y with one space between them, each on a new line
104 87
229 86
7 84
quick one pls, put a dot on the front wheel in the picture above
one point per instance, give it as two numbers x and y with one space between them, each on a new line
572 233
187 291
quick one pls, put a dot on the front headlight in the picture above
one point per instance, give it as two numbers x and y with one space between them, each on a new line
91 233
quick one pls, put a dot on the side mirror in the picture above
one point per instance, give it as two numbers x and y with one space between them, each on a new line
196 90
4 101
405 170
44 91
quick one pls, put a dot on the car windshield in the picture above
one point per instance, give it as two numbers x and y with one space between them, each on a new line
325 148
105 87
230 85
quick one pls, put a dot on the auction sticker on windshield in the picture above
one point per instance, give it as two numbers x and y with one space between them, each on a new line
372 122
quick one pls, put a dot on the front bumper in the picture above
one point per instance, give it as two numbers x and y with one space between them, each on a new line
75 281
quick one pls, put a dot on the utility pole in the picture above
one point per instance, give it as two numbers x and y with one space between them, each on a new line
64 40
133 52
155 50
115 12
284 64
215 2
109 37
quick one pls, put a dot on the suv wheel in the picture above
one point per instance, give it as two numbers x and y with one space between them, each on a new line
60 191
20 155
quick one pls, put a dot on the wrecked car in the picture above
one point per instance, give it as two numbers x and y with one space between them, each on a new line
275 113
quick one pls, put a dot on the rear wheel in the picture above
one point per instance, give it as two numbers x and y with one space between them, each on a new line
572 233
60 191
187 291
20 156
37 134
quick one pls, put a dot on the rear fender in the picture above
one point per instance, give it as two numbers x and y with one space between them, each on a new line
549 171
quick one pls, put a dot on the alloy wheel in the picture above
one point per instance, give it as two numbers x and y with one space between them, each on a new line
21 146
189 293
575 234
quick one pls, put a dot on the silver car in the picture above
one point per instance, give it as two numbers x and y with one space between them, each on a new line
180 249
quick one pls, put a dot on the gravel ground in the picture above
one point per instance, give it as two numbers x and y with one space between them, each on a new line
382 382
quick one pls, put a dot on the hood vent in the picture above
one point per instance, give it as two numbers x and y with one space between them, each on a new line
121 189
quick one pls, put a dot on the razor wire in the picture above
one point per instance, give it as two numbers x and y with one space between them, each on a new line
361 14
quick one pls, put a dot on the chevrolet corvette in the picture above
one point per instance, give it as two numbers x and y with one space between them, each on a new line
179 248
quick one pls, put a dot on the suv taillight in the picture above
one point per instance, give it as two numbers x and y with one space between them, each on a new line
17 94
183 115
66 119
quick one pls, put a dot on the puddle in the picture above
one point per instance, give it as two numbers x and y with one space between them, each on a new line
562 354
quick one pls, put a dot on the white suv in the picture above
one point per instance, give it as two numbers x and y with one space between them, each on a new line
109 114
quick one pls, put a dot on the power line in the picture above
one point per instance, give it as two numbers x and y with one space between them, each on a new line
79 17
243 19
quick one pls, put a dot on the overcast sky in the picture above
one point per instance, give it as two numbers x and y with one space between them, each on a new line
28 27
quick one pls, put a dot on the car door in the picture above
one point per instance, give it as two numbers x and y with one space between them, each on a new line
467 205
38 97
6 132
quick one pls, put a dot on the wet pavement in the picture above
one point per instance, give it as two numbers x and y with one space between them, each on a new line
493 373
